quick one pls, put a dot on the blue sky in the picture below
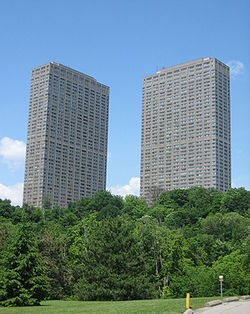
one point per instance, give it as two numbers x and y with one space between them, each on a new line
118 42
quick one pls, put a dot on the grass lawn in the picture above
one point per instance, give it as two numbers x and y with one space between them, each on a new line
170 306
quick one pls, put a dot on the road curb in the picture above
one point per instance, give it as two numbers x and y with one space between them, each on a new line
213 303
189 311
230 299
245 297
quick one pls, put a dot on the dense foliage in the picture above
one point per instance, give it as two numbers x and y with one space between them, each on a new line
107 248
23 281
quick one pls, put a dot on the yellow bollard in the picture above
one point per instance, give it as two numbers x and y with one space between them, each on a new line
188 301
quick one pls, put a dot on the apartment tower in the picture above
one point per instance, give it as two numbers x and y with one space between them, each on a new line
185 138
66 152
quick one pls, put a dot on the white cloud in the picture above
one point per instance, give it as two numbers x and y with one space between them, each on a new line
12 152
236 67
13 193
133 187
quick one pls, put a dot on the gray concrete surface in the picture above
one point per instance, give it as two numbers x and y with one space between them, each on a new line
239 307
213 303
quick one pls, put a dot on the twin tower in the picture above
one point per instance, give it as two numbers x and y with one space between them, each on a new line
185 138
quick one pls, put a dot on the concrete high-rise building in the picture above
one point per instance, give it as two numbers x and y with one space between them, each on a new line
67 136
185 140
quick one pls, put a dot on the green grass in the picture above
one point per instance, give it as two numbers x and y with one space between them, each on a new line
169 306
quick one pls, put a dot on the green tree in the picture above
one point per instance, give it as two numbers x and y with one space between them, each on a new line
134 206
236 276
53 246
105 198
23 281
161 213
112 264
148 235
10 212
198 281
236 200
47 202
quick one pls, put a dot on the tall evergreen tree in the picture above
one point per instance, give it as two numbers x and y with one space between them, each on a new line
112 264
23 281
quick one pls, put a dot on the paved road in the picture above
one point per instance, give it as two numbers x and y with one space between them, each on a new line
241 307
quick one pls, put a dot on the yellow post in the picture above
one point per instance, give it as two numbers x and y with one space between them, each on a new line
188 301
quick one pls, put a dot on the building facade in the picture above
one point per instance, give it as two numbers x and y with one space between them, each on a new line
66 152
185 136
